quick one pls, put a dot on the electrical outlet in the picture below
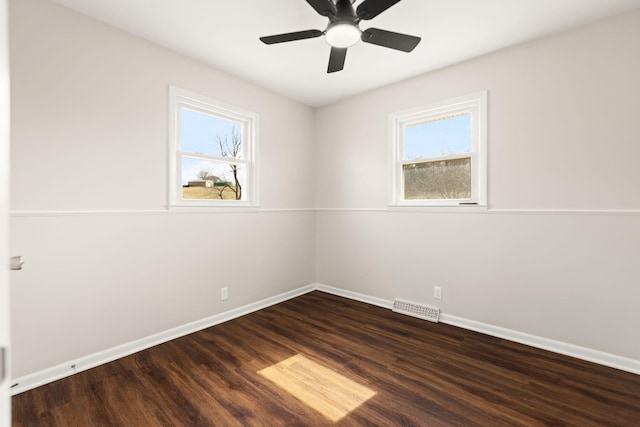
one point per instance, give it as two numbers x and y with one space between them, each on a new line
437 292
224 293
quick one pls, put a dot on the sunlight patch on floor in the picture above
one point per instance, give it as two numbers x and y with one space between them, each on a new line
323 389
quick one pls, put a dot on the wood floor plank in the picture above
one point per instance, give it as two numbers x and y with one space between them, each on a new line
419 374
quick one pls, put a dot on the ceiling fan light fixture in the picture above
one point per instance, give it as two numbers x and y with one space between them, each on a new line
343 35
343 29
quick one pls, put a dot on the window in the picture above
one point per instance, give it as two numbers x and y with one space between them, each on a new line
211 152
439 155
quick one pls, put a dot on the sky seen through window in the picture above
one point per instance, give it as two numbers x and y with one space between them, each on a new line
437 138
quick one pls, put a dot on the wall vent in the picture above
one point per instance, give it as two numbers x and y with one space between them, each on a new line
417 310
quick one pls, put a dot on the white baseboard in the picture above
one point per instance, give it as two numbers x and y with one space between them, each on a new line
355 296
63 370
583 353
28 382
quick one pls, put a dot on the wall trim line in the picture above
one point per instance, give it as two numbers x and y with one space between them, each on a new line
399 210
604 212
454 210
183 211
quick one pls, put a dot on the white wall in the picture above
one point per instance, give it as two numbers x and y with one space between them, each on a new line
549 258
105 263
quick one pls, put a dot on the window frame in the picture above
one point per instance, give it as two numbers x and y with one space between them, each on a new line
476 105
249 123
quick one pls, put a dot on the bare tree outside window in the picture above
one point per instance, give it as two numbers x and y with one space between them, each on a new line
231 146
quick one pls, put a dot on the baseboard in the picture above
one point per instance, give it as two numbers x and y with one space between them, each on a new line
354 296
28 382
63 370
583 353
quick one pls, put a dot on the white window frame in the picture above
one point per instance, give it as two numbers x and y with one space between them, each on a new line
249 123
474 104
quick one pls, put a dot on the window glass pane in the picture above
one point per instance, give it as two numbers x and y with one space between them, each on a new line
205 179
439 137
202 133
442 179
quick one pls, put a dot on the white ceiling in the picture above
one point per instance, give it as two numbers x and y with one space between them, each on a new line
224 34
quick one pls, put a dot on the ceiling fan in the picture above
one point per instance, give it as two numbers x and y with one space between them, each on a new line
344 31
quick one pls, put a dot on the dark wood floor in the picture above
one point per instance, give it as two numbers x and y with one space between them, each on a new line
423 374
